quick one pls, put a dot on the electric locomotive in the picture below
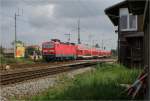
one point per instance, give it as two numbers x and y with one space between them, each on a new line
57 50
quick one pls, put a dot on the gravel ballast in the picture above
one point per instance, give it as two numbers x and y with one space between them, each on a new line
35 86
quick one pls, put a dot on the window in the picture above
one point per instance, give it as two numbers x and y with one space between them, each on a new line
123 22
48 46
128 23
132 22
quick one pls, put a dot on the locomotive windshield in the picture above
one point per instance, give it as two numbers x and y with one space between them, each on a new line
48 45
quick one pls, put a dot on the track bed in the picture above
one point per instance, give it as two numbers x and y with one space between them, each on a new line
31 73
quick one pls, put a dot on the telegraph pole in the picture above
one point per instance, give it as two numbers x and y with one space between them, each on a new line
15 36
90 37
15 41
102 44
79 41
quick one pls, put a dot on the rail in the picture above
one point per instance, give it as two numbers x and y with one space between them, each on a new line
15 77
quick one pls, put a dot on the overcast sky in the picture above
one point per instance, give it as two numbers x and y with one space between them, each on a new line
43 20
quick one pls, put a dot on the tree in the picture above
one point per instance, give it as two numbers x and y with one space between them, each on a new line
19 41
97 45
114 52
29 51
1 50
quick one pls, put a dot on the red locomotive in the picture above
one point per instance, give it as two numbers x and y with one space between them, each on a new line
56 50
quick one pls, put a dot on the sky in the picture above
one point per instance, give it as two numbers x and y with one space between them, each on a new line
42 20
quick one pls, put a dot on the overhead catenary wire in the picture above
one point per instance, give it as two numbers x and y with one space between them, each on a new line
28 21
90 10
25 20
83 5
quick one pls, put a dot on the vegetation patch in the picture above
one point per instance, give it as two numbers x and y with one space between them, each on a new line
101 84
17 60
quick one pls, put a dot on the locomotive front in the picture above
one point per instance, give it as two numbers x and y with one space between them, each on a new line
48 51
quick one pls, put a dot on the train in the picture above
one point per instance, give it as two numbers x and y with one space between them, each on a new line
57 50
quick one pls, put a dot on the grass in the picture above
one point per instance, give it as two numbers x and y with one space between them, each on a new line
17 60
100 84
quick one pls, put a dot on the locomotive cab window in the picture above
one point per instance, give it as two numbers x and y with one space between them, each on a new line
48 46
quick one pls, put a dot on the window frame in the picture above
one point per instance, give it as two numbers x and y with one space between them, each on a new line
128 23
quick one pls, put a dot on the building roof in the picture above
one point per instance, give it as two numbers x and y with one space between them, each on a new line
139 7
113 12
134 6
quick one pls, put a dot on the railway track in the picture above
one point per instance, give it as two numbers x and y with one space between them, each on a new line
34 65
20 76
11 78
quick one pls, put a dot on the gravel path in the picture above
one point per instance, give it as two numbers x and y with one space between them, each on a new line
33 87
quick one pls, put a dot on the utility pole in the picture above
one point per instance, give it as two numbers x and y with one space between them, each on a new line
15 37
93 43
102 44
15 41
79 41
90 37
68 37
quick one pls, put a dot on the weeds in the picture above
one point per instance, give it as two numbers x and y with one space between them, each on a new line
17 60
101 84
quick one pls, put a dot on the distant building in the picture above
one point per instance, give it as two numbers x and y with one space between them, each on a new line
8 52
20 50
130 33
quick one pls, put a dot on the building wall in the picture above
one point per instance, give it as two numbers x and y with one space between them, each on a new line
131 48
148 59
147 46
140 23
146 38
